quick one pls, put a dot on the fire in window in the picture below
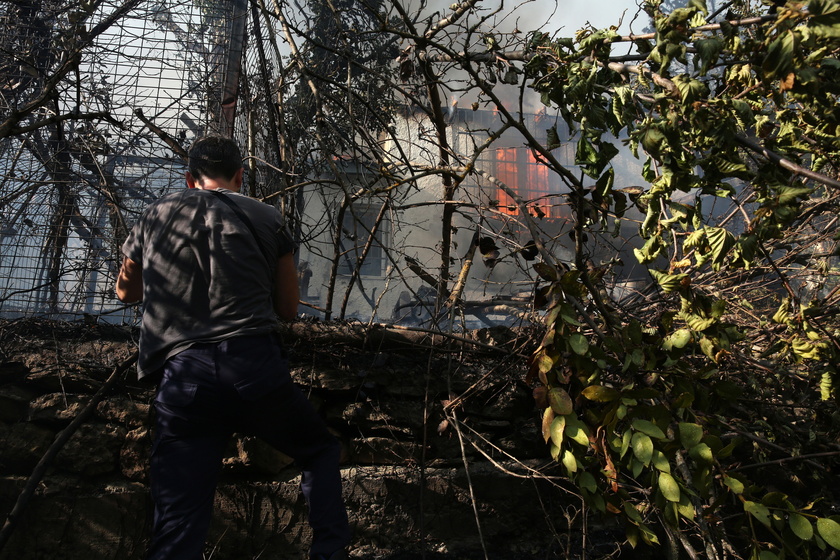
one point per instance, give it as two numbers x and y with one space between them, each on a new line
519 170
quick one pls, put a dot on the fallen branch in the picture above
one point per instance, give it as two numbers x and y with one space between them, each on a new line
385 336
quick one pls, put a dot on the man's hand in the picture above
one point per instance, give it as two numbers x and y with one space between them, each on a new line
129 286
286 290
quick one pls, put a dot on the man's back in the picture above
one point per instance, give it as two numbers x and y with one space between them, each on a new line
205 276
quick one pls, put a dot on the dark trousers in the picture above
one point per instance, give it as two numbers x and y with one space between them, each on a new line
210 391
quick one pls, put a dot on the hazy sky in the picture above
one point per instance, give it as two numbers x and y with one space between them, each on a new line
565 16
571 15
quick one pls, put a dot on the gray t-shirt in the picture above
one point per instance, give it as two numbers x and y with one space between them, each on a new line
205 277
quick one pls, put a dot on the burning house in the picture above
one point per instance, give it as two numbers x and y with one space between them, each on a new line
388 258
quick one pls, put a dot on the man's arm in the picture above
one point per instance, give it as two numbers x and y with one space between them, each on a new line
129 286
286 291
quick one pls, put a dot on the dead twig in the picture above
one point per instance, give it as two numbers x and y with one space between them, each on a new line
788 460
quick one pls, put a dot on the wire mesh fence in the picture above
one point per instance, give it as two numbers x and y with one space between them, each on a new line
98 102
94 99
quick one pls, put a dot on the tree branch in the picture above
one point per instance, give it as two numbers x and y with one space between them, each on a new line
787 164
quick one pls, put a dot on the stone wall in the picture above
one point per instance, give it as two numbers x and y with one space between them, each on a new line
406 485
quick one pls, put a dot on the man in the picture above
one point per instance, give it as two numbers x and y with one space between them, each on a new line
214 270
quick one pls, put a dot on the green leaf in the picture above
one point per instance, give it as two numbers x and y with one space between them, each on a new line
683 400
777 500
558 428
577 431
690 434
677 339
730 165
826 385
825 19
648 427
606 152
720 242
648 535
790 194
801 527
560 401
708 51
804 348
596 501
587 482
570 281
669 282
634 332
699 5
734 484
829 530
599 393
586 154
636 467
708 347
691 90
605 182
652 248
744 251
782 315
759 511
744 113
579 344
626 439
669 487
702 452
653 140
570 462
622 102
546 360
632 513
779 60
686 508
614 441
660 461
642 447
